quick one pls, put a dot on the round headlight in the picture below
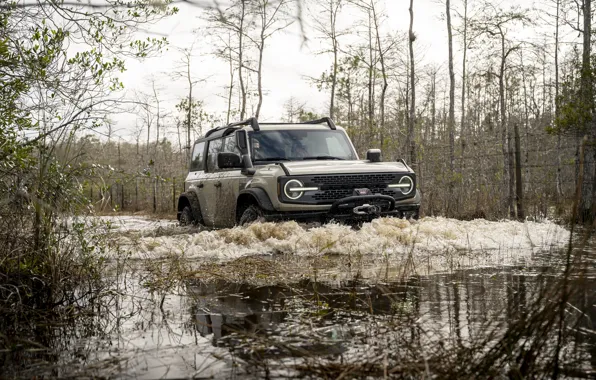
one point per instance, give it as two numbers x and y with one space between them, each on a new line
406 180
293 183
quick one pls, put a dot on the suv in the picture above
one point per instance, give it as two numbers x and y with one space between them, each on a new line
249 171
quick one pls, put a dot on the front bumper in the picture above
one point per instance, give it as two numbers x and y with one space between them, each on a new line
355 208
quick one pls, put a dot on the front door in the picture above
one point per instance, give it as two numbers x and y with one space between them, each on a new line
228 181
211 183
221 186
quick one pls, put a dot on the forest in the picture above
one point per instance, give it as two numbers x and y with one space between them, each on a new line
494 130
502 128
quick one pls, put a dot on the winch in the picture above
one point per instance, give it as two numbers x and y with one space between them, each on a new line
367 209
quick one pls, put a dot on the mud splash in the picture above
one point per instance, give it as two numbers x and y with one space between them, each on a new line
439 240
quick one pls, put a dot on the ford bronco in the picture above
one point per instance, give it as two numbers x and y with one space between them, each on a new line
249 171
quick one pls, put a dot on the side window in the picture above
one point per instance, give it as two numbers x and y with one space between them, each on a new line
198 157
230 145
214 148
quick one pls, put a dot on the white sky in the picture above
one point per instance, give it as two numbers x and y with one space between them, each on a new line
286 63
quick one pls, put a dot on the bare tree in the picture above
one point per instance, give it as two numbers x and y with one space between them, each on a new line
272 18
293 109
462 127
451 121
496 23
411 139
325 16
234 20
557 108
183 71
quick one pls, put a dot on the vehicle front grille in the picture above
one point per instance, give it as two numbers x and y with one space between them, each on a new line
334 187
356 180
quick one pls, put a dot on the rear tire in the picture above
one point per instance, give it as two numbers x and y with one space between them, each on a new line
253 213
186 217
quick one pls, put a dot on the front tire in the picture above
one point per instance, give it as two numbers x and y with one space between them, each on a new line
253 213
186 217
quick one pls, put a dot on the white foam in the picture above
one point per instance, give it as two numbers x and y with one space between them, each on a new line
497 242
135 223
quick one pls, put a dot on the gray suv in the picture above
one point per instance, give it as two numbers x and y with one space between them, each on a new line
249 171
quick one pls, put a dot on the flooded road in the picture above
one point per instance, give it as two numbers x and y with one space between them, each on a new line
437 298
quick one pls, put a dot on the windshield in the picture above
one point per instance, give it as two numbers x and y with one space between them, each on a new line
300 144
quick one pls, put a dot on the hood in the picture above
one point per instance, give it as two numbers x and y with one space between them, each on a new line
342 167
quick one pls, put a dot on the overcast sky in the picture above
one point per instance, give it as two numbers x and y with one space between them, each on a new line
286 64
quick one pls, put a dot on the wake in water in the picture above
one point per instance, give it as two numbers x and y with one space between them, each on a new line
497 242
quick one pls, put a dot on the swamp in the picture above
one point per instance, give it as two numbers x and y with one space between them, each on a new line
491 104
403 299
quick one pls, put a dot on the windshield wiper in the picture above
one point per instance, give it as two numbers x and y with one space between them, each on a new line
272 159
323 158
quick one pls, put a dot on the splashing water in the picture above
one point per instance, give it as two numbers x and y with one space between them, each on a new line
500 242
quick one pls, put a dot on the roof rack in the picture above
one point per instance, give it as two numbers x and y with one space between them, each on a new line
254 123
251 121
327 120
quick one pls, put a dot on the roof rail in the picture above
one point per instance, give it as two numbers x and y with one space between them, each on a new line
251 121
327 120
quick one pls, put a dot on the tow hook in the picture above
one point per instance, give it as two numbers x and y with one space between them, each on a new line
366 209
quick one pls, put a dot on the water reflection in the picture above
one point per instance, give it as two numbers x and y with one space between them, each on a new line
225 329
454 310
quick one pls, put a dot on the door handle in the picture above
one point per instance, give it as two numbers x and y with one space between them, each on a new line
200 185
217 184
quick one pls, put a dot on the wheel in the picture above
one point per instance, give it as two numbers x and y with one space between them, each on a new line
186 217
252 214
416 214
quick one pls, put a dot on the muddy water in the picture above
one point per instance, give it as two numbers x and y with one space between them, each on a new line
208 322
271 329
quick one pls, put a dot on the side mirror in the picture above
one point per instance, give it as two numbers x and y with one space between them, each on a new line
374 155
228 160
241 141
242 144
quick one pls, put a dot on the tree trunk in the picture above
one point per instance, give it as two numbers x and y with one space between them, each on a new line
370 82
504 130
157 119
333 8
586 204
462 129
189 124
518 177
241 59
261 48
451 122
433 107
231 91
559 189
383 73
412 120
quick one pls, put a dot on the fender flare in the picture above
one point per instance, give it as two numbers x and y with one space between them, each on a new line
195 206
261 196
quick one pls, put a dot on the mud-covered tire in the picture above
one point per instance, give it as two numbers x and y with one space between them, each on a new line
186 217
251 214
416 214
